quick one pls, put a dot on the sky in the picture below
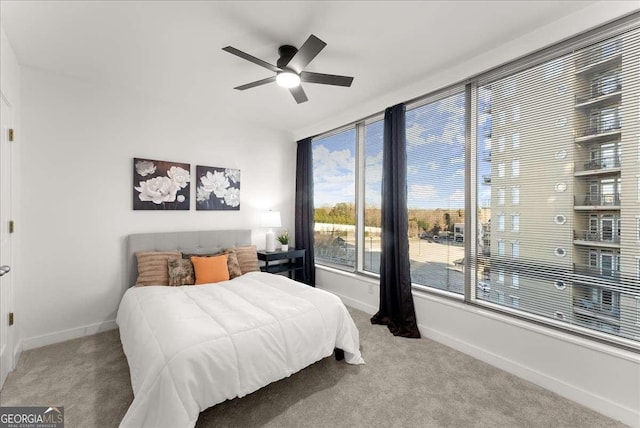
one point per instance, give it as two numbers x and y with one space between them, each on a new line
435 158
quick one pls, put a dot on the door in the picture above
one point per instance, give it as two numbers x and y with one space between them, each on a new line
606 264
6 290
607 229
608 192
608 156
593 228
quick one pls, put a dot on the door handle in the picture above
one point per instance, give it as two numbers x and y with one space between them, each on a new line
4 269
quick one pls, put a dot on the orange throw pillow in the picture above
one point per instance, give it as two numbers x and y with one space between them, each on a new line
210 269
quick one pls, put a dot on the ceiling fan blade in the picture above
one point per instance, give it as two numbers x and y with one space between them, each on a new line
298 94
251 58
256 83
306 53
326 79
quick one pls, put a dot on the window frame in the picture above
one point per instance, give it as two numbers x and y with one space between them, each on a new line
565 47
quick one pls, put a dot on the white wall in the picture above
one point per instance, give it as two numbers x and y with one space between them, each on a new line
10 88
78 143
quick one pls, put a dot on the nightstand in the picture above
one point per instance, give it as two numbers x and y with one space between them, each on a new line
284 262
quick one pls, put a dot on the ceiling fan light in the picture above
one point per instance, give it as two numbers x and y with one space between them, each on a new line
288 79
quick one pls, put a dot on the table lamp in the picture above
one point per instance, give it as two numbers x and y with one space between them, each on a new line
271 219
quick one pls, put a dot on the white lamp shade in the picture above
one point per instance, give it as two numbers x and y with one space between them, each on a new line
271 219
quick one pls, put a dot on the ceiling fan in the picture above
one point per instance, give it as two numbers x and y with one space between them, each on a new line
290 68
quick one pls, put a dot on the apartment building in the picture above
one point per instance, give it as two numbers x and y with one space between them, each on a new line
564 236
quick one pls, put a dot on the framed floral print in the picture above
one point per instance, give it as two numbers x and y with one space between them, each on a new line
218 188
160 185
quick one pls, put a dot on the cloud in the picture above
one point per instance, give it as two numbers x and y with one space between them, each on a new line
439 122
459 159
456 199
334 175
458 174
422 191
434 166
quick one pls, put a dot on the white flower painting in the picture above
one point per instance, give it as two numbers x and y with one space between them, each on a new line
218 188
160 185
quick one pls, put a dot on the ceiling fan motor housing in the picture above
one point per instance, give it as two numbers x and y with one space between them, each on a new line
286 52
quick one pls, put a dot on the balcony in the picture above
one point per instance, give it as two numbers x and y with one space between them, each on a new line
597 201
601 98
600 58
603 238
600 165
596 276
591 133
608 313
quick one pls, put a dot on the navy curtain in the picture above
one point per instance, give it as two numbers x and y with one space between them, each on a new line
396 301
304 209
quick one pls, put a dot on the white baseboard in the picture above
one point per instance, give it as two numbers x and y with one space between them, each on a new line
572 392
64 335
364 307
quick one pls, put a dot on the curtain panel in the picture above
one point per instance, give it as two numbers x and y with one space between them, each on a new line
304 222
396 301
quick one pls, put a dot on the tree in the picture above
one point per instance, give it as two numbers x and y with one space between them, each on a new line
436 229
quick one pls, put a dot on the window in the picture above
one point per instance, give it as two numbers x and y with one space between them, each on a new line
515 301
436 191
515 195
515 168
334 198
515 222
373 133
559 120
502 115
515 249
500 223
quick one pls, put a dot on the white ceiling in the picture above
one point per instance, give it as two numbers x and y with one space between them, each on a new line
171 51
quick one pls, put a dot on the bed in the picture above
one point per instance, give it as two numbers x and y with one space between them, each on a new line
191 347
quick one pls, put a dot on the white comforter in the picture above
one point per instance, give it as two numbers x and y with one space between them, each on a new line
189 348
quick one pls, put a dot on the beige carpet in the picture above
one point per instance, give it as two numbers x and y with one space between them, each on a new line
405 383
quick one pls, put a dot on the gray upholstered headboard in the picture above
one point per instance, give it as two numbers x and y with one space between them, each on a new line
198 242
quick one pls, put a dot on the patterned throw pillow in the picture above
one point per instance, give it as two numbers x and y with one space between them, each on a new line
233 264
181 272
247 258
153 267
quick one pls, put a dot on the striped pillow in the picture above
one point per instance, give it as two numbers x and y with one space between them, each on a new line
247 258
153 268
